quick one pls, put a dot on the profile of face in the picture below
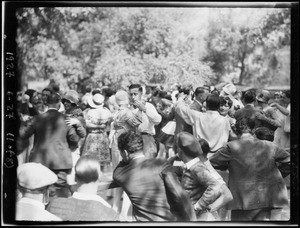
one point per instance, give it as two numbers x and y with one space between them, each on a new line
135 94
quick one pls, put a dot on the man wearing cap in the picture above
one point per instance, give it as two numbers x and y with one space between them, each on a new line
267 116
149 117
34 180
196 179
256 171
50 147
148 186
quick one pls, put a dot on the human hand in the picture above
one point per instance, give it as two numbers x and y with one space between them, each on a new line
260 116
72 121
274 105
140 105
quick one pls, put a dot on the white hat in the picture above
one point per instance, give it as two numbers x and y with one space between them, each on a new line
230 89
96 101
35 175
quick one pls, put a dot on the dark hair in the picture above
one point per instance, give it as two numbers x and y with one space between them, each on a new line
204 146
55 88
88 89
130 141
185 89
87 169
199 90
215 92
249 96
134 86
95 91
53 98
244 125
47 89
225 100
264 133
213 102
108 92
287 93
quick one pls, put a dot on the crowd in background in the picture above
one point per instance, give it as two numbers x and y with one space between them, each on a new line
186 154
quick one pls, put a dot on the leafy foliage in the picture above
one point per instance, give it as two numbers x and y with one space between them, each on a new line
118 46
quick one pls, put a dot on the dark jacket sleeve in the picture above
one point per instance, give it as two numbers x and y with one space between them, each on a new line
178 198
282 159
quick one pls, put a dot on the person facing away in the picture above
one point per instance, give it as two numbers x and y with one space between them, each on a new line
211 126
50 146
147 187
34 180
256 171
85 204
148 116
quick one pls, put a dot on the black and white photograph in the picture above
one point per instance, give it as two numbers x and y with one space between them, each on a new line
149 113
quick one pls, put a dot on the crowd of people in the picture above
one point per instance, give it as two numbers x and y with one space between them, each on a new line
202 154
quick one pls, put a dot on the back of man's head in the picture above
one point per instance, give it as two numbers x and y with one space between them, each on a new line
188 144
204 146
87 169
131 142
53 99
249 96
213 102
244 125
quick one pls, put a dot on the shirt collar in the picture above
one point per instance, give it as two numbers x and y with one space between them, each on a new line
138 156
192 162
246 135
52 109
32 202
84 196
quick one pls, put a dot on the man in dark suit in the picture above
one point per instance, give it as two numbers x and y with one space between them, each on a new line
256 171
50 147
203 188
155 196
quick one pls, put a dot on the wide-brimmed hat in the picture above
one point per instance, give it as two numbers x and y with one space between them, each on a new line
96 101
230 89
72 96
33 176
263 96
121 97
189 144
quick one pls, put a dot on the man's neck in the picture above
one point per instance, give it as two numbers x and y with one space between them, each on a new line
90 188
137 155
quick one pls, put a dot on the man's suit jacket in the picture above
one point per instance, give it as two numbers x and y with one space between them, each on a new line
248 111
50 146
255 180
142 180
201 185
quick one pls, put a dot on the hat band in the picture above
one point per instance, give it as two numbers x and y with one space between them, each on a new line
97 103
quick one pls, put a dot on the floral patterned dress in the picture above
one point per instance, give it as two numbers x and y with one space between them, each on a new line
97 142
